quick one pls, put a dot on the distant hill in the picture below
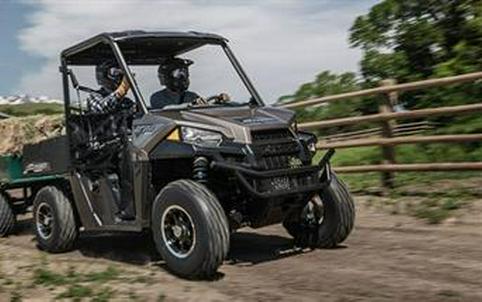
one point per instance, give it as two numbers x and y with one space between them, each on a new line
27 99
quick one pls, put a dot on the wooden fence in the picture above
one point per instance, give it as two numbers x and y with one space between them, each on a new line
388 129
398 130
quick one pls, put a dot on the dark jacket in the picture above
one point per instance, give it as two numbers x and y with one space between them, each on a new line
166 97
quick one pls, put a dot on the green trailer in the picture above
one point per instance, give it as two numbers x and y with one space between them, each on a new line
17 190
10 168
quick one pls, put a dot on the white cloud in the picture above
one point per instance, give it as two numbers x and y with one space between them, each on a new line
281 43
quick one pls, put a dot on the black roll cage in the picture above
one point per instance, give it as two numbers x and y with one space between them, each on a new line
111 39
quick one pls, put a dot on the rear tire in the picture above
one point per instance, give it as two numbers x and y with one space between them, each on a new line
325 222
7 217
190 229
55 225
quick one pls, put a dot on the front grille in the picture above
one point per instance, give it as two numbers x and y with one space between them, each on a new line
274 162
279 149
261 136
274 149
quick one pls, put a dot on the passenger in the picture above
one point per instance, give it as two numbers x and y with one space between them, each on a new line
173 73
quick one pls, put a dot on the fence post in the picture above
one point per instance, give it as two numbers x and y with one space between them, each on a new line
388 151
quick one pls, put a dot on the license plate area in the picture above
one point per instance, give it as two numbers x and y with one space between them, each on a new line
285 183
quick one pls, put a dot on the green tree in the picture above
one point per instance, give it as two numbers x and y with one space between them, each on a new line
327 83
407 40
414 39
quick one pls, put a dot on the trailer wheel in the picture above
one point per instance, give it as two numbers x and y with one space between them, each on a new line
7 217
190 229
55 226
326 220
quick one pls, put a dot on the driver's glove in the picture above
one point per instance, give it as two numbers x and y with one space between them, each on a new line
123 88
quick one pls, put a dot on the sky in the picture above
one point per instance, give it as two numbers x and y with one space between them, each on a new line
281 43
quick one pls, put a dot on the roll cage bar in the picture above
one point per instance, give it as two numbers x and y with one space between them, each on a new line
137 43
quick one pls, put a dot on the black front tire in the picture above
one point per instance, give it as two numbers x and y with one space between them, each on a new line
63 231
331 219
209 233
7 217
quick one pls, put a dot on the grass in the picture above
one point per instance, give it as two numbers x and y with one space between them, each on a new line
32 109
161 297
77 285
45 277
104 295
431 207
74 282
435 211
76 292
143 279
406 154
15 296
367 182
433 214
435 202
111 273
450 293
133 296
8 281
429 201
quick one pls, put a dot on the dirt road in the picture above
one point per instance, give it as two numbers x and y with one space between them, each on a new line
387 257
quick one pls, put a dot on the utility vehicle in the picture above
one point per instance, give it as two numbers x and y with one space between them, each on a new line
192 173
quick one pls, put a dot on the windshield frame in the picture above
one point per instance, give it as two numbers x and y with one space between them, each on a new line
68 57
227 51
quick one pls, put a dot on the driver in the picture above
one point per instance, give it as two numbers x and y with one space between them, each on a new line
110 99
173 73
113 88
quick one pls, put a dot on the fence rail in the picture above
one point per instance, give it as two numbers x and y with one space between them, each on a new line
469 77
389 131
399 130
379 117
458 138
462 166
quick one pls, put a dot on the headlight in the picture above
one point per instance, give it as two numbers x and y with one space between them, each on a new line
201 137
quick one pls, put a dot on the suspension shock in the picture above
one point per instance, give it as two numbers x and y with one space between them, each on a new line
200 169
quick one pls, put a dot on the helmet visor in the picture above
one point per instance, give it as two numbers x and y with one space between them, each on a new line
180 73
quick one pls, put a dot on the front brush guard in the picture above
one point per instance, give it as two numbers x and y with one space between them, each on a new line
323 169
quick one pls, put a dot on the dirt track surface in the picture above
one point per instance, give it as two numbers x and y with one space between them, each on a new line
386 258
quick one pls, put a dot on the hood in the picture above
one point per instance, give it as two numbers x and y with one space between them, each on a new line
234 122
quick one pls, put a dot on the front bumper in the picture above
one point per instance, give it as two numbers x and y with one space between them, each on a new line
281 182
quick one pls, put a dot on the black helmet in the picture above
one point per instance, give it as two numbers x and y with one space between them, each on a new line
174 74
108 75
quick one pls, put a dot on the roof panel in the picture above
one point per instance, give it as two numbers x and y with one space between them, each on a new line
138 47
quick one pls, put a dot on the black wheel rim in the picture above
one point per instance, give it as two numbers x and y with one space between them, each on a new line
313 213
178 231
44 220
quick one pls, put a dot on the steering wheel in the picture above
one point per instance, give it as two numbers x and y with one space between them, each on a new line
215 99
218 99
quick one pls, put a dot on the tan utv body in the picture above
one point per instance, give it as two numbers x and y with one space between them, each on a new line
191 175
